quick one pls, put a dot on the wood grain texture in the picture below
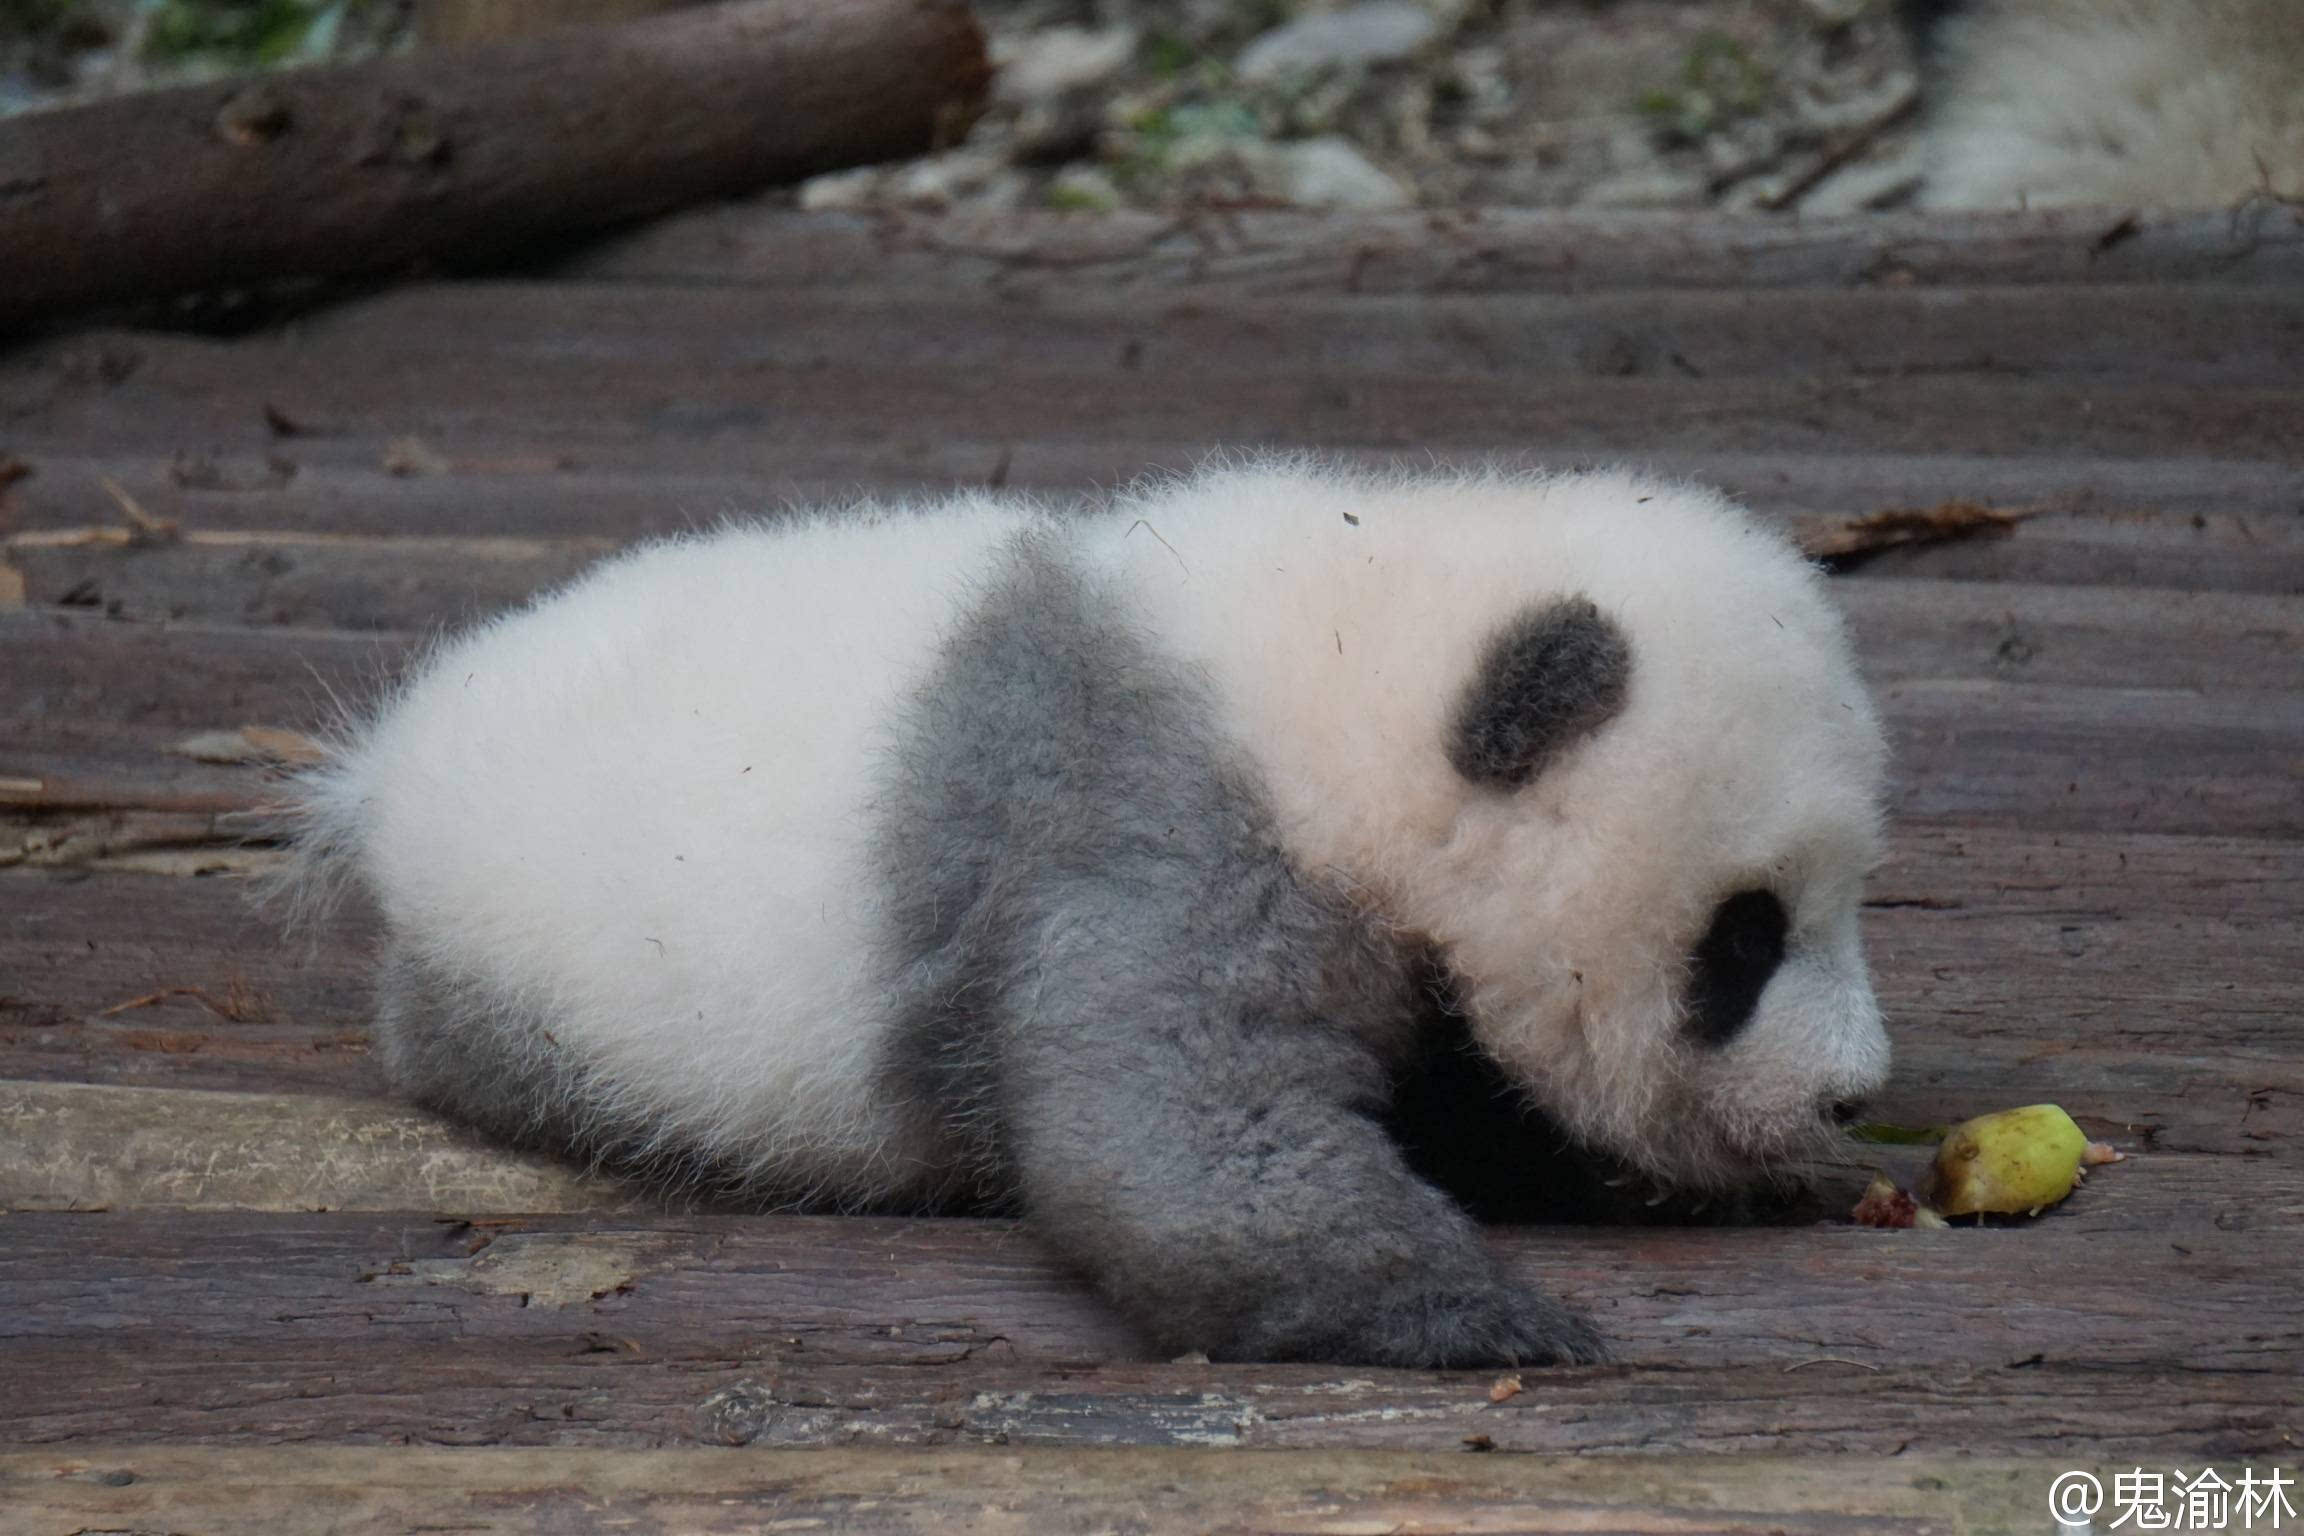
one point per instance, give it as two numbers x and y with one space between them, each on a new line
82 1147
1905 627
353 546
2097 870
94 708
234 474
828 1330
371 1491
591 408
1189 338
1272 254
2147 982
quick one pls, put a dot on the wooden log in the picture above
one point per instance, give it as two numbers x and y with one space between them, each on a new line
784 1331
466 156
372 1491
441 22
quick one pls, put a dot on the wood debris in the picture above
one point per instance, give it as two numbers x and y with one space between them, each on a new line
409 456
143 527
1895 527
240 1004
263 744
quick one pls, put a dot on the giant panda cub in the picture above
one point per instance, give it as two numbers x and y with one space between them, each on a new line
2168 103
1092 864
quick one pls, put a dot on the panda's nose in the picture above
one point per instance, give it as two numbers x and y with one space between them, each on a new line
1844 1111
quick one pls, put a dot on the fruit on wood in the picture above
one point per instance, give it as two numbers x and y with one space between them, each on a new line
2019 1160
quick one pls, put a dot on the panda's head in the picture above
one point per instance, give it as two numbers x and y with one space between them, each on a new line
1669 781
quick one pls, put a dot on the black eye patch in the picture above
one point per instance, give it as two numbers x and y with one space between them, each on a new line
1732 963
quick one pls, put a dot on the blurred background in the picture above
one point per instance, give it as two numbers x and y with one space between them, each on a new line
1104 104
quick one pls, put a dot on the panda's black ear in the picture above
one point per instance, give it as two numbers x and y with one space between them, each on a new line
1556 673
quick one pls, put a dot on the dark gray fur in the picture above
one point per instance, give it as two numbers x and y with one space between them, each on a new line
1923 19
1177 1048
1549 678
495 1065
445 1046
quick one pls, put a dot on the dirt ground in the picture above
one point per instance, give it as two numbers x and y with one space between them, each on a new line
1509 103
1162 104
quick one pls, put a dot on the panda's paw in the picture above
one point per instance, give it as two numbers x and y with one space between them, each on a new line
1495 1324
1455 1324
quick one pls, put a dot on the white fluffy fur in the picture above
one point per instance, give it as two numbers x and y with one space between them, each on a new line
1749 755
642 802
638 804
2167 103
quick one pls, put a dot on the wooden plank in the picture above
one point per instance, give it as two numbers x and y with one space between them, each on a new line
823 1331
1905 627
98 682
81 1147
93 709
252 513
736 1392
164 394
1275 254
372 1491
86 1147
2144 759
94 973
2148 983
352 582
2073 636
241 479
2208 337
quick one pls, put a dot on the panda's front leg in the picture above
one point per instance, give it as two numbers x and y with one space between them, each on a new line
1196 1119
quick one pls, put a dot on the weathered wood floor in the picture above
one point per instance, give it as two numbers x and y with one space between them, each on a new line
226 1243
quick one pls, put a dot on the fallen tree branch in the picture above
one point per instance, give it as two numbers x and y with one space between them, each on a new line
466 155
1847 148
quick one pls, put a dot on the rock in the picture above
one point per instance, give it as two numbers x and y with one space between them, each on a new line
975 177
1330 173
1083 188
1377 32
840 190
1654 187
1043 66
1482 83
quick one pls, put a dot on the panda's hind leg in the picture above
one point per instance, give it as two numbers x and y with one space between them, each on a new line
447 1044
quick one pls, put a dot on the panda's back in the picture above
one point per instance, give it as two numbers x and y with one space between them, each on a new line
623 842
